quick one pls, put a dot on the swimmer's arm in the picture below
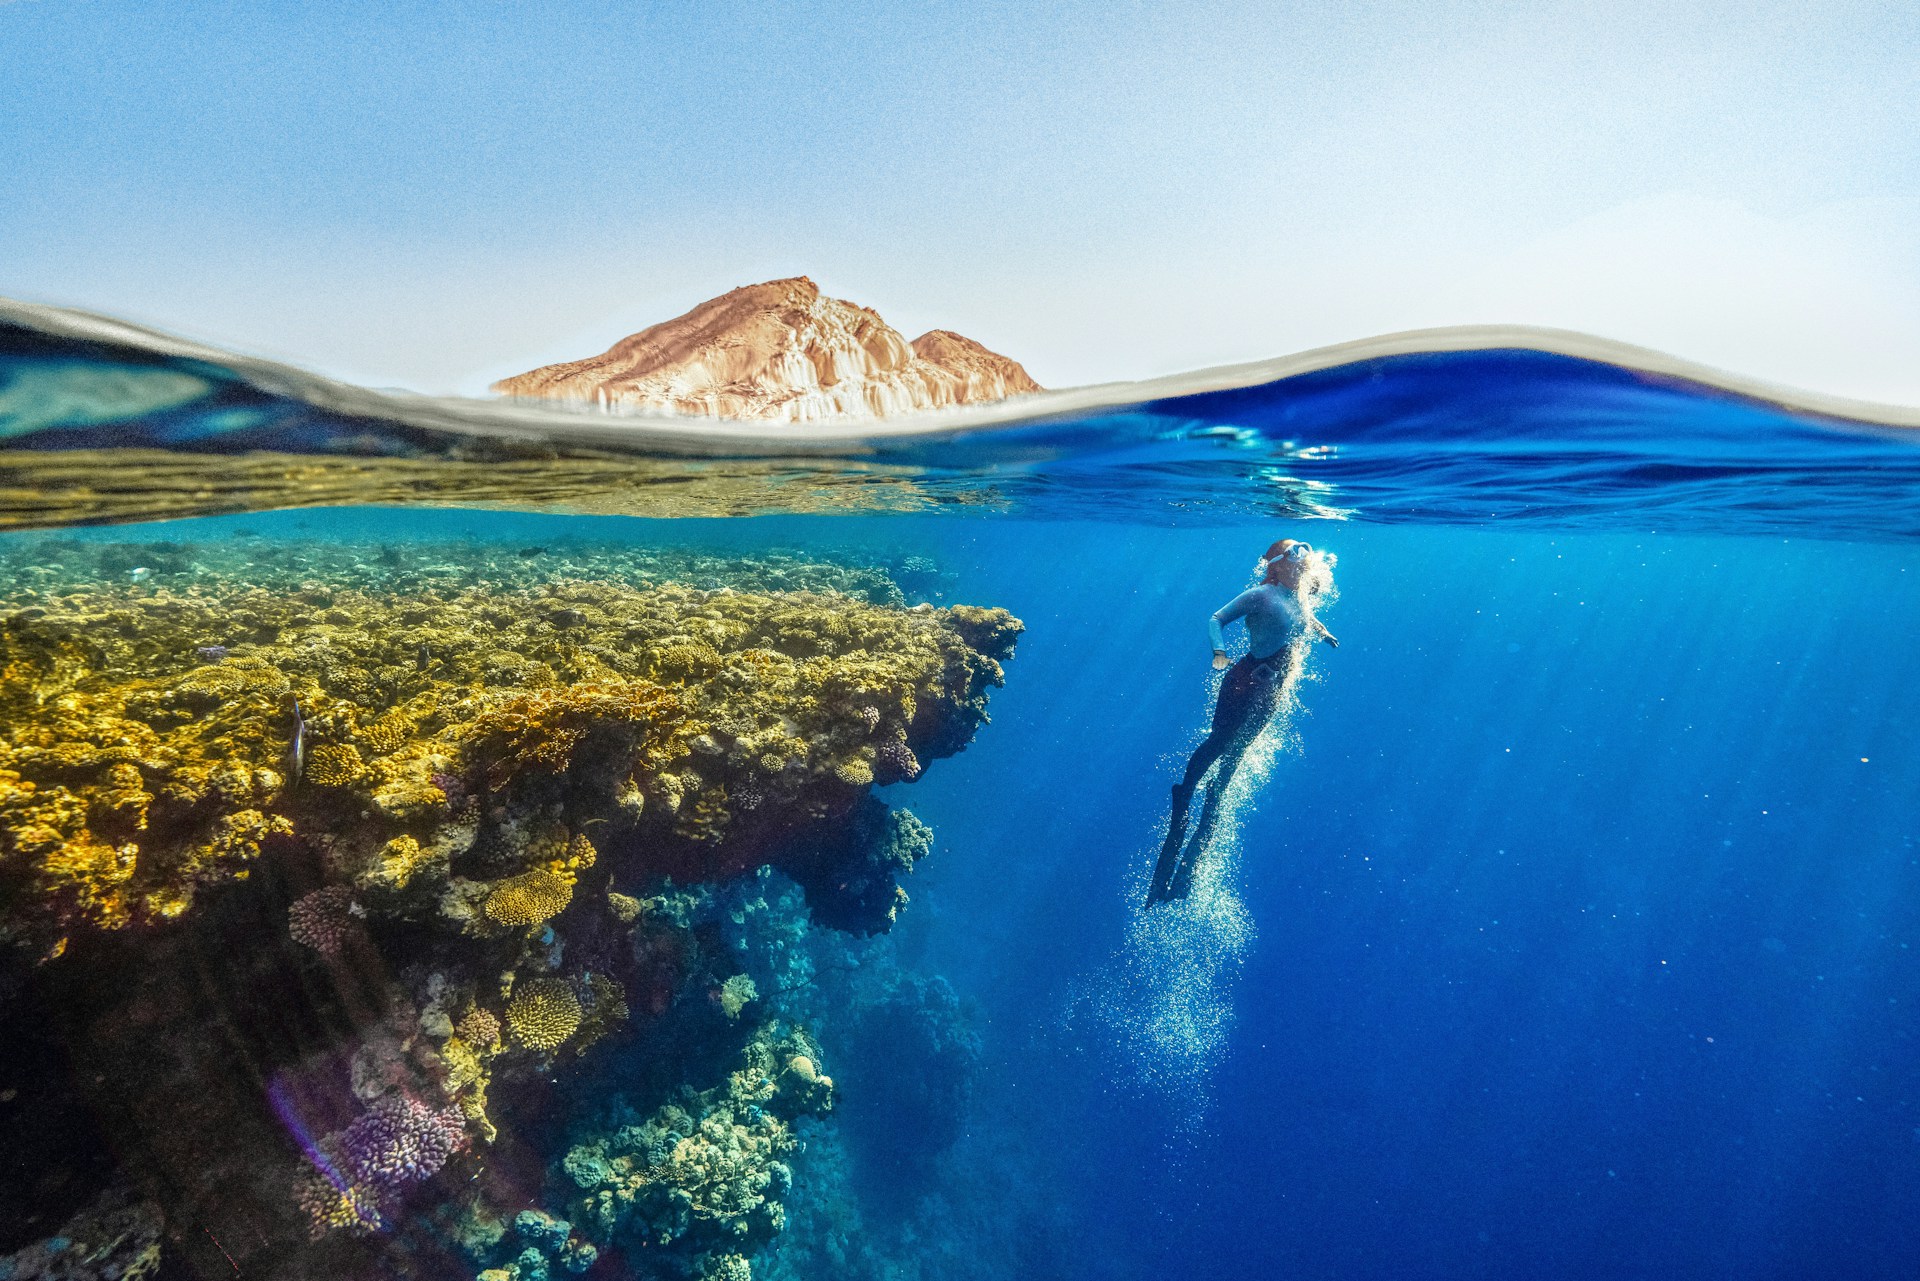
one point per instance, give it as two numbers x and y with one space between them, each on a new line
1227 613
1317 629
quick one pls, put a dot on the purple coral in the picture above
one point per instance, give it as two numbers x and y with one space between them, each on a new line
322 920
453 786
895 760
397 1142
870 715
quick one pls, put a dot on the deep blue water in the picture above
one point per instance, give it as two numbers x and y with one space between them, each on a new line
1583 921
1574 932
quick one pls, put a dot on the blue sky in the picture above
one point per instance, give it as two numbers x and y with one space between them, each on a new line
433 195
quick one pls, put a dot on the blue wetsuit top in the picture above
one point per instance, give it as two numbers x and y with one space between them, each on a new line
1273 616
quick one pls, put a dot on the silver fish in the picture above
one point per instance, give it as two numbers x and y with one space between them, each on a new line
297 754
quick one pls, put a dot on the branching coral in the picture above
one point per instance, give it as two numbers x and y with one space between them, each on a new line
543 1014
358 1173
479 1028
321 920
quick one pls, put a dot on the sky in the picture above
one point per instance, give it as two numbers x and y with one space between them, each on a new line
436 195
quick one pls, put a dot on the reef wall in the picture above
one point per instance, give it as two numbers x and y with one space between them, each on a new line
445 911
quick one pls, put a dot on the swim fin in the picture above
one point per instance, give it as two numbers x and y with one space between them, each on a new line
1182 882
1168 867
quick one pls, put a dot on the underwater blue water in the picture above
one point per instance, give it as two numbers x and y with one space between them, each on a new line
1575 935
1582 923
1574 928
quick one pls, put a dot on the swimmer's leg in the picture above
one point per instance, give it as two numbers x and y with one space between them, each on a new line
1260 710
1167 867
1182 882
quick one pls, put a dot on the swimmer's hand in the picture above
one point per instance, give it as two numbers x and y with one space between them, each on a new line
1330 639
1219 660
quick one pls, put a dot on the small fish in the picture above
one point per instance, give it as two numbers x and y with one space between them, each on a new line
210 653
297 754
139 574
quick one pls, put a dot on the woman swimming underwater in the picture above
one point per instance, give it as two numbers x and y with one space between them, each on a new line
1278 612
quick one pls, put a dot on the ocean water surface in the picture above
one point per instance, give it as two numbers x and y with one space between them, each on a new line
449 853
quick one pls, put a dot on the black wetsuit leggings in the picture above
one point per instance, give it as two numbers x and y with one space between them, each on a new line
1249 696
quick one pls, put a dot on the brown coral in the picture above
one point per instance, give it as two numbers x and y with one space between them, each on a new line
605 1011
543 1013
479 1028
322 920
541 731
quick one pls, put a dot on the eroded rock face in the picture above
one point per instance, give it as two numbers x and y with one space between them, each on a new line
779 352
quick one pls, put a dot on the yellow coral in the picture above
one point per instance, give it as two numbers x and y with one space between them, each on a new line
543 1014
541 731
386 735
530 898
400 860
334 765
133 773
466 1084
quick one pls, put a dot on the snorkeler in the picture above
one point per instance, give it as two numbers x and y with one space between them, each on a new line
1278 612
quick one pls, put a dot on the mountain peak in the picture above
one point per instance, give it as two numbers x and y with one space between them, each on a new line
779 351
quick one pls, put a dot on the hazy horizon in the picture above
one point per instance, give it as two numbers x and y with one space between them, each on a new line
437 198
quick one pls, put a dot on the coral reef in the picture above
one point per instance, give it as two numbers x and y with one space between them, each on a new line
736 994
134 772
360 1173
529 898
500 864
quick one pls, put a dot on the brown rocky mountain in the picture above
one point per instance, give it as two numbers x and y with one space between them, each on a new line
782 352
